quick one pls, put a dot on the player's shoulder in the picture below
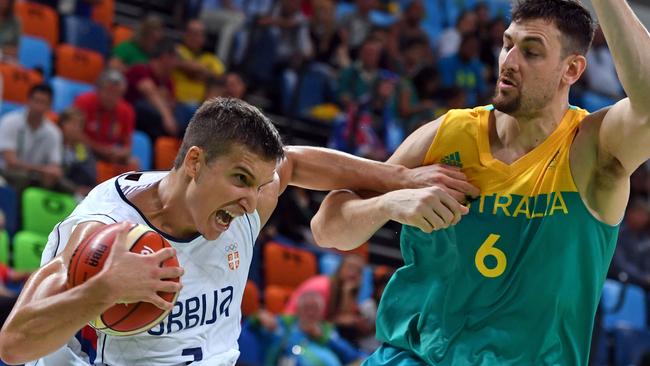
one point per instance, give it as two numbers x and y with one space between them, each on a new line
467 115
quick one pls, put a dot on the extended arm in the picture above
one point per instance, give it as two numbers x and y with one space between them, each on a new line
625 131
345 221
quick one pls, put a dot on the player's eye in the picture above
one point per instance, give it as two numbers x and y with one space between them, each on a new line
241 179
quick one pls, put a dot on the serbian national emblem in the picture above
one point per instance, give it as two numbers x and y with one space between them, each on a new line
233 256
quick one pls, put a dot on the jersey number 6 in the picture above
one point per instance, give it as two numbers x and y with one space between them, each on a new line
487 249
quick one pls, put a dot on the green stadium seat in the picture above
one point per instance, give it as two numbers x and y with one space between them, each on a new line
42 209
28 248
4 247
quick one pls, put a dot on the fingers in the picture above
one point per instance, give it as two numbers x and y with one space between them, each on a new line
170 272
160 303
422 223
120 238
431 217
163 255
452 171
460 185
168 286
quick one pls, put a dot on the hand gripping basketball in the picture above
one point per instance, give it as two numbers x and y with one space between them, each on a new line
140 269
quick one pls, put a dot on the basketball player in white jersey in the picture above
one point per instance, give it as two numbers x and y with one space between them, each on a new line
225 183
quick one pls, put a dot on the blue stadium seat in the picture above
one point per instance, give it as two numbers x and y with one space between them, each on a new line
381 18
630 345
593 101
85 33
314 87
35 53
343 9
328 263
500 8
65 91
432 24
623 306
7 107
141 149
9 206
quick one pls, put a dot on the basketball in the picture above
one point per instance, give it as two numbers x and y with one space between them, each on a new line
88 260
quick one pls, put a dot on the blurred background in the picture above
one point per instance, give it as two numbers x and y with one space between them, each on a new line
108 86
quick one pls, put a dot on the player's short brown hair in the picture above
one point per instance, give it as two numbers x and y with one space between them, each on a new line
221 122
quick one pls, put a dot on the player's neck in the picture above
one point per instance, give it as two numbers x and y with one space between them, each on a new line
517 135
164 205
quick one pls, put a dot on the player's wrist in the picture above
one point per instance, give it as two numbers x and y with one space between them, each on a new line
102 290
399 178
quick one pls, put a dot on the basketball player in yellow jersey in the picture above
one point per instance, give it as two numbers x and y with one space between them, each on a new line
518 279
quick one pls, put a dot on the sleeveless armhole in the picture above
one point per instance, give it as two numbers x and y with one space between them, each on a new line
429 157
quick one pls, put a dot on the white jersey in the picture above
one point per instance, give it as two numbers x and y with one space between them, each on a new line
204 325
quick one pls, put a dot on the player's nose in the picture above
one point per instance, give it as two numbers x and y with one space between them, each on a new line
511 61
249 201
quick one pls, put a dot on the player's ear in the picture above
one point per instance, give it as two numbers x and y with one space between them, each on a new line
192 161
576 66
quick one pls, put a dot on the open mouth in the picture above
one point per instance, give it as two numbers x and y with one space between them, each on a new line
507 82
224 217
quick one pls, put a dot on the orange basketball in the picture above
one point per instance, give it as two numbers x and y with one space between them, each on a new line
88 260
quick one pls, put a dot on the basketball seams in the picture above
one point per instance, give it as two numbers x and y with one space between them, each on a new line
120 319
80 248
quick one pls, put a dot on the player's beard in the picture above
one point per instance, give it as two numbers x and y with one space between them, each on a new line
506 103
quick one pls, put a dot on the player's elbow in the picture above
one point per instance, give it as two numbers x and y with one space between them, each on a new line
319 231
12 351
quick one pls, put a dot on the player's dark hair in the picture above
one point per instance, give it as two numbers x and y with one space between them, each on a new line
221 122
572 19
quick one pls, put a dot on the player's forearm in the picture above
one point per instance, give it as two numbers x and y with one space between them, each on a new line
629 43
326 169
345 221
42 326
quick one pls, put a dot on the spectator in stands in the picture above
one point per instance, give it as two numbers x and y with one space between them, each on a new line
31 145
109 119
367 94
357 81
319 342
138 49
483 20
491 45
601 75
340 292
232 85
465 70
151 92
290 29
80 175
425 92
293 215
368 308
330 43
9 31
195 67
227 17
631 262
409 28
449 42
411 108
357 25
